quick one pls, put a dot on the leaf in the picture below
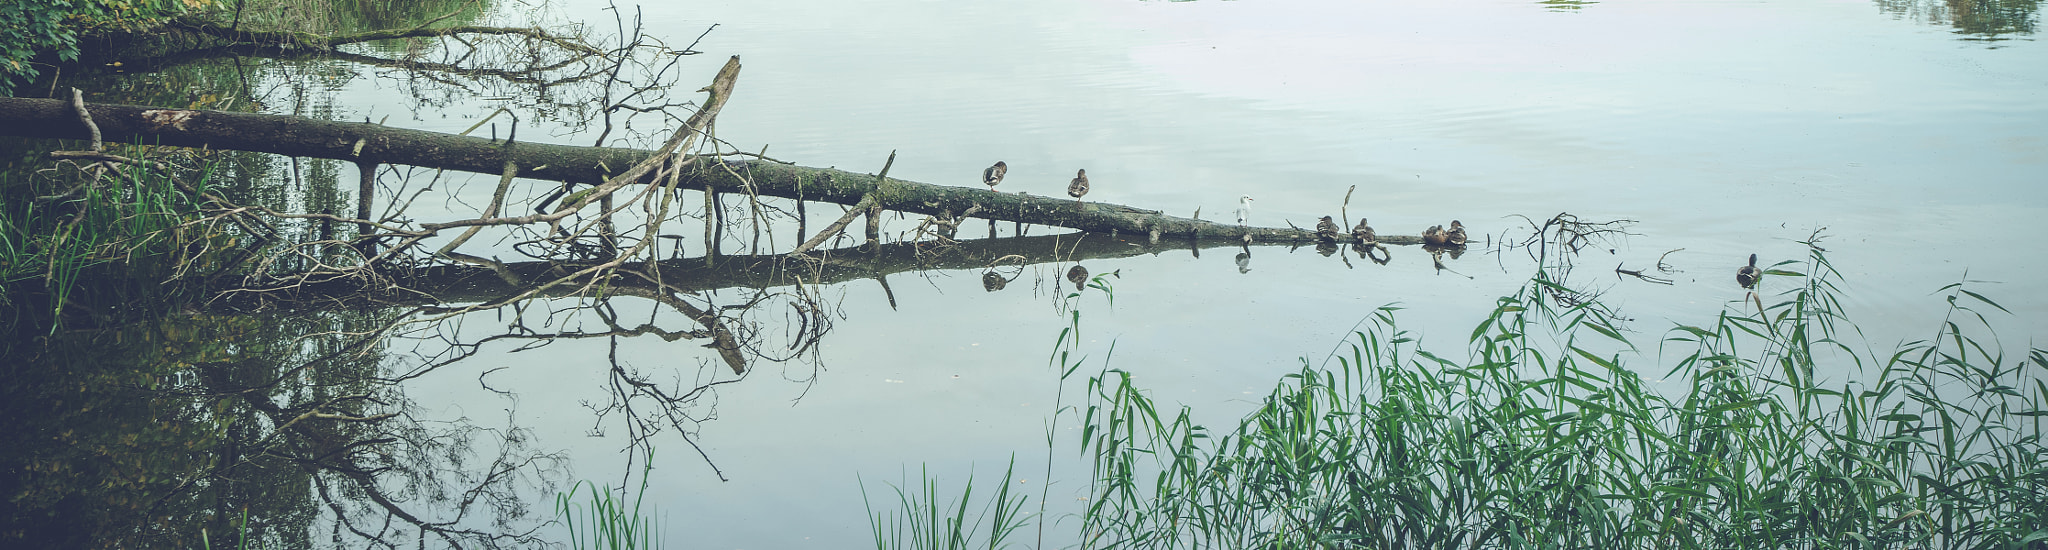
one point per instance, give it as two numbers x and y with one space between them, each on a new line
1981 298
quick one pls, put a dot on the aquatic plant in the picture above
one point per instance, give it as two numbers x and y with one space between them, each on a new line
606 521
1539 442
133 216
920 521
1546 436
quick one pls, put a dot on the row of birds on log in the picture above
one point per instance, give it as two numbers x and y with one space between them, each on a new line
1436 235
1326 229
1075 188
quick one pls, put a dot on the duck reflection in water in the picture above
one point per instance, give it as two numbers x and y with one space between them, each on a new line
1078 275
1326 248
992 281
1364 250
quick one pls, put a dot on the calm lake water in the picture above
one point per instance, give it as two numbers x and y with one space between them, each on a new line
1916 144
1724 128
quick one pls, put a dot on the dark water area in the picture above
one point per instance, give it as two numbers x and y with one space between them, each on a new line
1906 136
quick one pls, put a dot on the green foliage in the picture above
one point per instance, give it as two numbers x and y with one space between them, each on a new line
29 28
1545 437
1552 442
125 223
920 522
605 522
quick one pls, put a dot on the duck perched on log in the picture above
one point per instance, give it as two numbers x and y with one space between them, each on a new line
1326 230
1456 235
994 175
1435 236
1363 233
1079 186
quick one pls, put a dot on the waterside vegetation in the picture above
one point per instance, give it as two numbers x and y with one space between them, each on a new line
1547 435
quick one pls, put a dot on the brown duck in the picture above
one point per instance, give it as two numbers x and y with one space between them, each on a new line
1456 236
1078 275
1079 186
1748 275
1326 230
1363 233
1435 236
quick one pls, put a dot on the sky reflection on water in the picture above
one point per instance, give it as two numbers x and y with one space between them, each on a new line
1725 128
1912 131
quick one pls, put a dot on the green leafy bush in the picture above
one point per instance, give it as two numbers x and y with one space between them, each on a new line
29 28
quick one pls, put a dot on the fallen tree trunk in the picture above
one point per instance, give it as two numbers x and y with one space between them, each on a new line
367 143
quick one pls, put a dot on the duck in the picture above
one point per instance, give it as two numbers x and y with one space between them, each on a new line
1749 274
1078 275
1326 230
1456 235
1363 233
994 175
1079 186
1434 236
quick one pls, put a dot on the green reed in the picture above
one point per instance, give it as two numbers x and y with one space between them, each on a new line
1545 435
920 521
130 216
606 521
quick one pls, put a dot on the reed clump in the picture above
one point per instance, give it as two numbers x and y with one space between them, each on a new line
106 222
921 521
603 519
1547 436
1538 440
